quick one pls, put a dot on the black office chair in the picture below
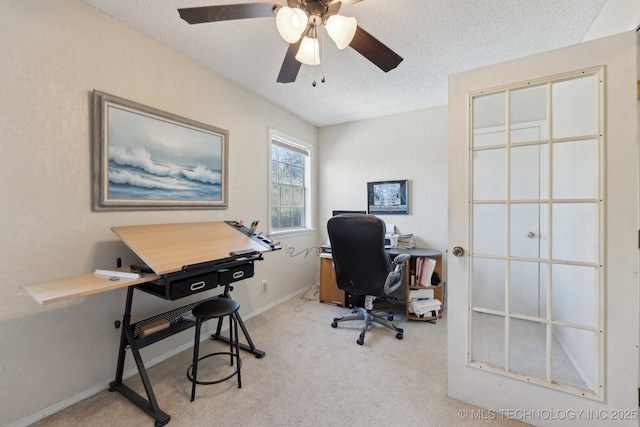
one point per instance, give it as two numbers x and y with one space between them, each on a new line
362 267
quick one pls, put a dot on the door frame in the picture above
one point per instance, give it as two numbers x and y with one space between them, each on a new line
492 391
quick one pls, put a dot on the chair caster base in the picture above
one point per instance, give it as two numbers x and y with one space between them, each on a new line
334 324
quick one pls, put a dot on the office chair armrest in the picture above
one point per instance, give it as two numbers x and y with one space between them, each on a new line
394 279
400 259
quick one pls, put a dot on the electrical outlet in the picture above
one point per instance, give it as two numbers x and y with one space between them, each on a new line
264 286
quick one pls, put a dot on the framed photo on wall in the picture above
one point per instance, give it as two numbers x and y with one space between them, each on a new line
147 159
388 197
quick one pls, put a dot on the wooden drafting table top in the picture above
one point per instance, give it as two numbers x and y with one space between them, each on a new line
165 248
169 247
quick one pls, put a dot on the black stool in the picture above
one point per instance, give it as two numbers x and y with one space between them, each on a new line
215 308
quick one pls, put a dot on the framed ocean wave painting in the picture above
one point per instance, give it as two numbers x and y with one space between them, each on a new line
147 159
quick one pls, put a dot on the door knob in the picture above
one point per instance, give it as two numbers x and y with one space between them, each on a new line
457 251
531 234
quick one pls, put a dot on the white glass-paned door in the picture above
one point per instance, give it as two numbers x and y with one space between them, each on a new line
535 214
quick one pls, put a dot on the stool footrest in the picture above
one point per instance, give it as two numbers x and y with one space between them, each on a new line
223 353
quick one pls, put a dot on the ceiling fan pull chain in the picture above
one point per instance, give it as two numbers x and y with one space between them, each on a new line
322 62
324 30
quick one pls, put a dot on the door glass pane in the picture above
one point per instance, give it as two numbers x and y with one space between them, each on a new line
528 289
574 294
575 170
489 175
489 229
573 357
573 106
529 172
488 283
528 347
489 111
487 339
528 114
574 231
524 230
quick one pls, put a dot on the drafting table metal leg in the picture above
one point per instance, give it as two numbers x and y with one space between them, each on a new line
250 347
149 405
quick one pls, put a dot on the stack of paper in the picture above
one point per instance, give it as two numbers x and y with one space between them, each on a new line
421 307
406 241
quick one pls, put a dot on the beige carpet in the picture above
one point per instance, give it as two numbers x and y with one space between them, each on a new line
312 375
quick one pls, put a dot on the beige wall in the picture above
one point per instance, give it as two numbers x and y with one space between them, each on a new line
54 54
410 146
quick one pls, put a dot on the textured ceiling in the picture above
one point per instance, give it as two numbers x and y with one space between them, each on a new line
436 38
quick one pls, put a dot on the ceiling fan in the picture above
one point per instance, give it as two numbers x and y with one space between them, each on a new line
297 23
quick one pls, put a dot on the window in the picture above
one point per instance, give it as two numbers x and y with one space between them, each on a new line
290 170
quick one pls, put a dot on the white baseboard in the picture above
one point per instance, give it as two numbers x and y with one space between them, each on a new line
102 385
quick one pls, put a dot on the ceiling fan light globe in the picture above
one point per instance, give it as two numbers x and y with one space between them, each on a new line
291 23
341 29
309 52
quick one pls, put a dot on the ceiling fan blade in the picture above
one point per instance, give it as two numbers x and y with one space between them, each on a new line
374 50
228 12
290 65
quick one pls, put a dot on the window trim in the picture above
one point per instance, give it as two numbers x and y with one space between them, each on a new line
309 227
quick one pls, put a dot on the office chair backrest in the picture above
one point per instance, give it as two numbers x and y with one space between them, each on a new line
357 246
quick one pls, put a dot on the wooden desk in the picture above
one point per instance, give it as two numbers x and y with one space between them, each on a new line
330 293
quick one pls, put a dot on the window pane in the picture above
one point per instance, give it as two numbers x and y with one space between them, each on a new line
528 347
489 112
574 294
489 174
275 196
527 288
297 217
574 232
488 283
525 230
274 172
573 359
574 107
297 175
574 170
297 195
528 114
275 218
487 339
285 218
285 196
529 172
489 229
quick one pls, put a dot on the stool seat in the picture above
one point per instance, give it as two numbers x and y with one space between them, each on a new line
218 307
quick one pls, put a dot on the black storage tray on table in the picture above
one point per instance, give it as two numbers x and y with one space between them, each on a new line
201 277
179 285
230 275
